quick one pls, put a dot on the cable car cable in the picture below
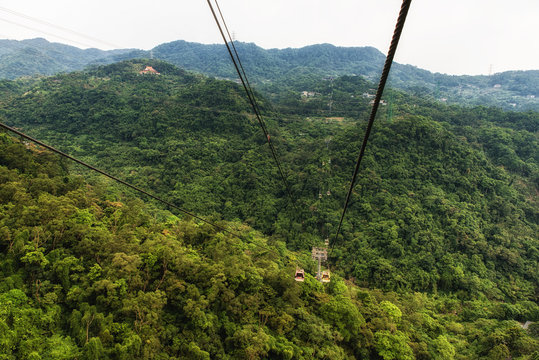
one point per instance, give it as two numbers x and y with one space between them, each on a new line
247 87
385 73
7 127
250 89
21 134
136 188
46 33
231 41
46 23
254 105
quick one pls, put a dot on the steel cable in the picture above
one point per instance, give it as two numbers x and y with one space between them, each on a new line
142 191
250 95
385 73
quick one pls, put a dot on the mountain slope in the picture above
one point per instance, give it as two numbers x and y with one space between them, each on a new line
87 273
446 200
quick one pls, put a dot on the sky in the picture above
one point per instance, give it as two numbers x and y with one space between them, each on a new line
454 37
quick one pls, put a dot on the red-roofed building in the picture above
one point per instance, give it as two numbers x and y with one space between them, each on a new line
149 70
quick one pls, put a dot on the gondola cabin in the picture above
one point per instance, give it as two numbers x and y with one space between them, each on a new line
300 275
325 276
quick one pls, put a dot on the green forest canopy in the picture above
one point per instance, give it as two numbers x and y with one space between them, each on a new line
446 206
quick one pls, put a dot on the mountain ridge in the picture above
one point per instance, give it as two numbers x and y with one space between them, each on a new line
511 90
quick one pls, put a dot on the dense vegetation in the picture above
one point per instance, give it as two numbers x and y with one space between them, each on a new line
443 220
88 275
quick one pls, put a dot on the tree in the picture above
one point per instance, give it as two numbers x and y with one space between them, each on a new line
393 345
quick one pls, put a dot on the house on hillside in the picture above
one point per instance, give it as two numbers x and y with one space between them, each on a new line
308 93
149 70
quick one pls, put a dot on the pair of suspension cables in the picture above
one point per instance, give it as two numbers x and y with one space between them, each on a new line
383 79
223 29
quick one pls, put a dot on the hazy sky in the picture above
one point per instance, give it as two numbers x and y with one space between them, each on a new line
454 37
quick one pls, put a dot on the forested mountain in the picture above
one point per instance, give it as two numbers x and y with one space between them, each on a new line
444 220
516 90
512 90
40 57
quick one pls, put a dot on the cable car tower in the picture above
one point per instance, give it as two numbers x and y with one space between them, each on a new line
319 254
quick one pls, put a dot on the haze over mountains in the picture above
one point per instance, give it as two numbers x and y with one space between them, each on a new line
512 90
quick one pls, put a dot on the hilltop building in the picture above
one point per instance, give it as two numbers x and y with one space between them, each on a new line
149 70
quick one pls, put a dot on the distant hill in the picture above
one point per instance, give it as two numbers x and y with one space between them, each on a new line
268 68
322 59
41 57
517 90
